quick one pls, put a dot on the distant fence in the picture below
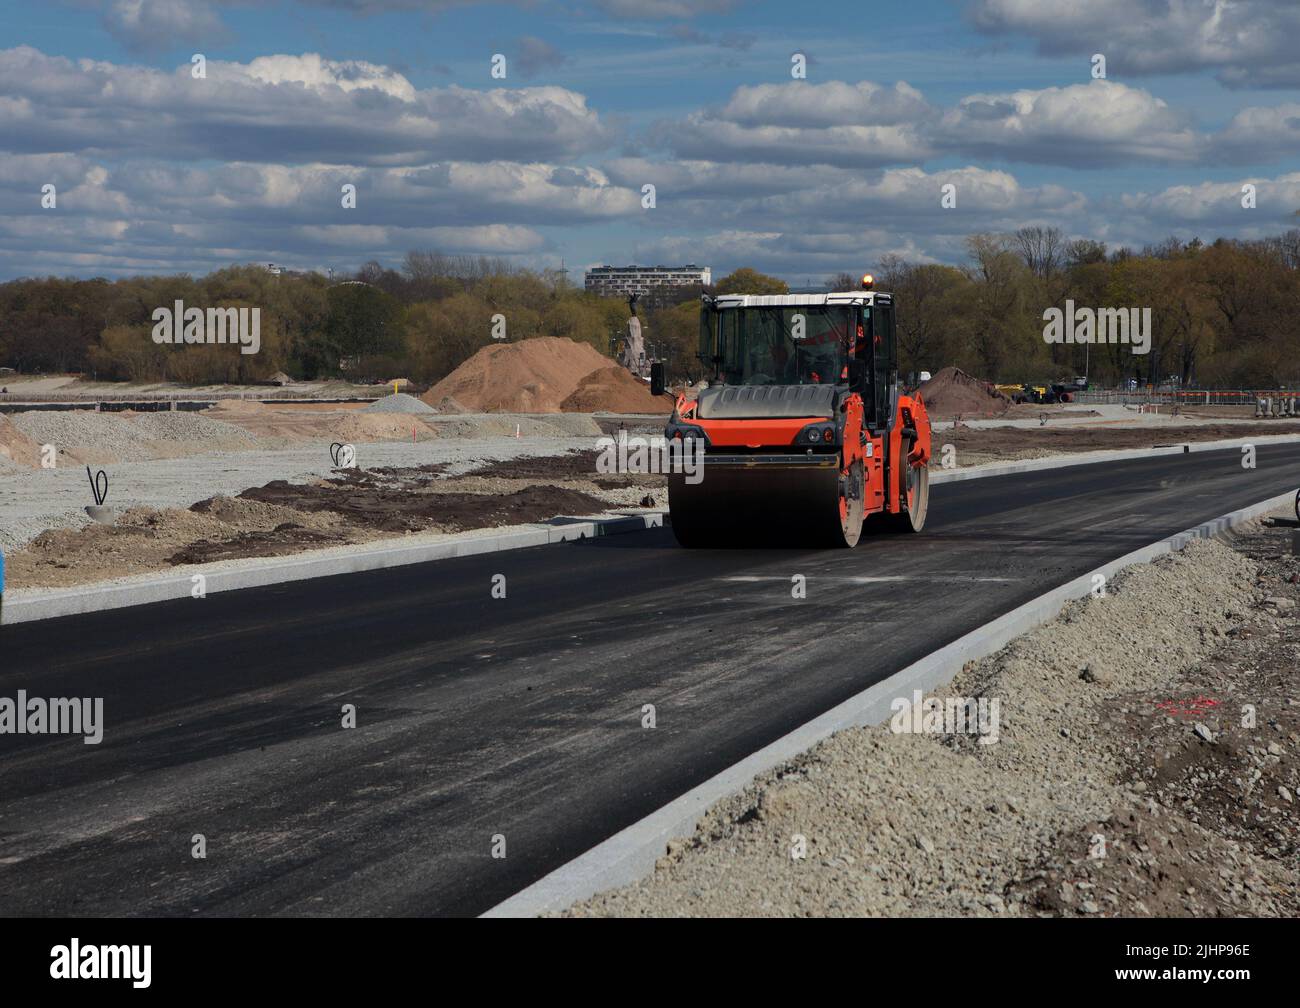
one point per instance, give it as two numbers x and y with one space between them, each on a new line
12 404
1186 397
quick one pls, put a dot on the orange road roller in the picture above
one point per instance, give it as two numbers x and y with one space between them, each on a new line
802 434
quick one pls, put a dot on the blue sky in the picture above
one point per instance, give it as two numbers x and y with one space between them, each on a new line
156 171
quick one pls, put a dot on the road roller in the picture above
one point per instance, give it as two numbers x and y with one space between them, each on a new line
801 435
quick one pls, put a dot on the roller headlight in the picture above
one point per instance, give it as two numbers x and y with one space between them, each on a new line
825 433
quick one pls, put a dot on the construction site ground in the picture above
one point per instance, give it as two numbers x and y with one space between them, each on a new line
245 480
71 388
495 485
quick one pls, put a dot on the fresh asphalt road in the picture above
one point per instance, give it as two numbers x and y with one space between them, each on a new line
518 717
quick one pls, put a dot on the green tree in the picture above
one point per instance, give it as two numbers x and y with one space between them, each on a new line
675 332
363 322
749 281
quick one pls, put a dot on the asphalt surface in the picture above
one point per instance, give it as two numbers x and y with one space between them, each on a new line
519 717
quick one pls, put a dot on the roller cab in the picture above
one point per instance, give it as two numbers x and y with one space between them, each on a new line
806 436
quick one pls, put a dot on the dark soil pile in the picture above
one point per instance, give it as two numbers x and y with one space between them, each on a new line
377 504
614 390
952 392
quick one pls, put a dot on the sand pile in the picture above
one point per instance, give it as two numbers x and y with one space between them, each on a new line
16 447
539 376
399 402
238 407
613 390
361 426
952 391
448 405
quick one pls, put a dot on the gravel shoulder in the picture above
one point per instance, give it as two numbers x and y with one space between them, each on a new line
34 500
339 508
1144 765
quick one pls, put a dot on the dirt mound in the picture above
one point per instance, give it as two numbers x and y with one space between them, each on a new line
399 402
238 406
17 447
384 504
449 405
613 390
952 391
532 376
363 426
146 539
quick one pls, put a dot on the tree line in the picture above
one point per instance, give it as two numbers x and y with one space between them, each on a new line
1223 314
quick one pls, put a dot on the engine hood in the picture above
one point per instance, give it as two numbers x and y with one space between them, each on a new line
753 402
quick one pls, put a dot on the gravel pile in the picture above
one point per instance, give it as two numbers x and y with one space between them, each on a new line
940 825
399 402
575 424
477 425
194 429
95 436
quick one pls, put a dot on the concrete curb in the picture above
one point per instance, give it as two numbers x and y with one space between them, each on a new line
1091 458
631 853
97 598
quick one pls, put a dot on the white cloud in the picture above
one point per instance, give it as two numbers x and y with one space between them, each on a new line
144 25
1258 134
822 194
1220 203
205 217
1097 124
321 75
657 9
835 103
799 254
497 239
867 125
1250 43
281 109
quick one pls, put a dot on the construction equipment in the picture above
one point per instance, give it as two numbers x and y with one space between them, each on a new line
805 432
